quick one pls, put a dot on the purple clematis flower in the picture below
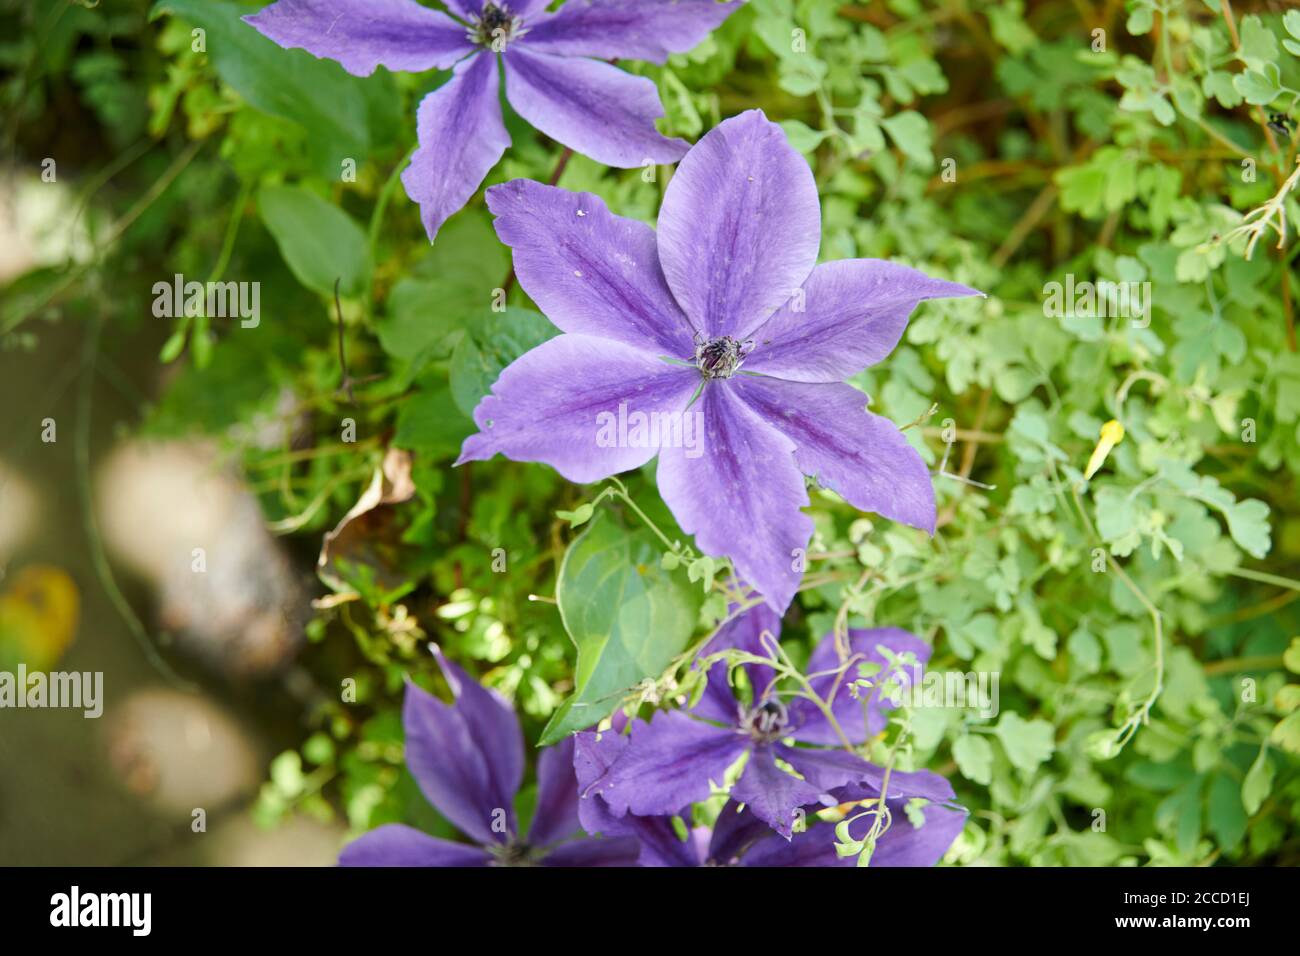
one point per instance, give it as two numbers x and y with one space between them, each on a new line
555 77
737 838
669 762
720 321
468 758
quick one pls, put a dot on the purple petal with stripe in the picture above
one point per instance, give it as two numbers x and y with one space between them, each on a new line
772 794
589 271
560 404
592 107
862 457
364 34
461 137
627 29
741 497
739 226
667 765
906 845
556 815
396 844
451 769
849 315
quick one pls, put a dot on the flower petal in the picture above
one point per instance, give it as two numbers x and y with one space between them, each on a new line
742 496
735 830
589 270
862 457
556 816
739 226
560 404
461 138
906 845
396 844
811 725
903 785
492 724
364 34
827 770
812 847
627 29
610 851
849 314
668 764
592 107
451 769
772 794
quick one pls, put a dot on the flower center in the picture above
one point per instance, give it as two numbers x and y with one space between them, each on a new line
768 721
495 27
513 854
719 358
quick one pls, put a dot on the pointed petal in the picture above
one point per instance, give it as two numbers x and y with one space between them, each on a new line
451 770
850 315
772 794
827 770
396 844
667 765
742 496
593 755
492 724
627 29
556 816
906 845
364 34
739 226
610 851
560 404
734 832
590 106
461 138
864 648
862 457
590 271
902 785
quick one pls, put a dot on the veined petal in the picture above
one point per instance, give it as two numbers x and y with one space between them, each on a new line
772 794
364 34
556 816
906 845
902 785
739 226
810 724
571 403
826 770
461 138
590 106
812 847
667 765
453 773
861 456
493 725
741 497
849 315
396 844
589 270
627 29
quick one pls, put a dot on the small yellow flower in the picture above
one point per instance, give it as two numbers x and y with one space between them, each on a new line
1112 433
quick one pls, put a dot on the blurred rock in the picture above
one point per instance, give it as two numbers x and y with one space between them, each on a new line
171 513
179 752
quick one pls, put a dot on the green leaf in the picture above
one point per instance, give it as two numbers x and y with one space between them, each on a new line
626 615
430 424
974 756
1258 88
1028 743
319 95
1258 45
911 133
1226 816
489 345
319 241
1258 783
1248 525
